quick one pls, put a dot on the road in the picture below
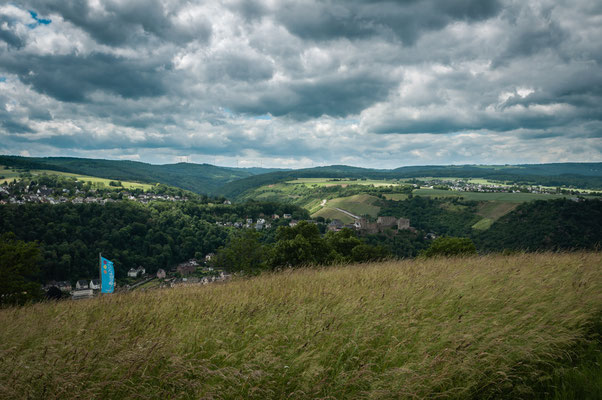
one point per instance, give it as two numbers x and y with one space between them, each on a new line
348 213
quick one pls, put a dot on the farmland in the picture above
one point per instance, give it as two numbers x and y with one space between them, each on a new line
478 196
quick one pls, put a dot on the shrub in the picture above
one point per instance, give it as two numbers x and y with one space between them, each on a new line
450 246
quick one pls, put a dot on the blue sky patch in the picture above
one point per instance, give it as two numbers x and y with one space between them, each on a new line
2 79
266 117
39 21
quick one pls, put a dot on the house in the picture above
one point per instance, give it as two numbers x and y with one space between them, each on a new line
209 256
95 284
249 221
186 268
133 273
275 216
368 227
386 222
258 226
82 284
335 225
293 222
403 223
161 274
287 216
65 286
140 270
227 202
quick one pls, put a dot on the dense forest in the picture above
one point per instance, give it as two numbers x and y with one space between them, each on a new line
546 225
157 235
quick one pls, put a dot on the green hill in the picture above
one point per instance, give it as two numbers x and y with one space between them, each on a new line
582 175
484 327
546 225
199 178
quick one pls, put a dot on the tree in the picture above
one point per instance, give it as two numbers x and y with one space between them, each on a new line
450 246
300 245
243 253
18 271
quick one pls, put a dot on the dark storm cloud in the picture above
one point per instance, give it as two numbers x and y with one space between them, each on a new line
12 126
336 96
337 79
324 20
72 77
8 34
123 22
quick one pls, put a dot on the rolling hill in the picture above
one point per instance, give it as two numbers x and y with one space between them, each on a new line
234 182
199 178
520 326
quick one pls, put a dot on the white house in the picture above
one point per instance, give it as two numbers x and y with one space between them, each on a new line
82 284
161 274
132 273
95 284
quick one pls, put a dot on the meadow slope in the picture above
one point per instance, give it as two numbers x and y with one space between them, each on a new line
482 327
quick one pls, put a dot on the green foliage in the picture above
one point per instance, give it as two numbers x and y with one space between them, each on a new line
449 247
157 235
244 252
300 245
18 271
442 216
199 178
546 225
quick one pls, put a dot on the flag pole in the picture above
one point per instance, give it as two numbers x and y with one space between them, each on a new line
100 270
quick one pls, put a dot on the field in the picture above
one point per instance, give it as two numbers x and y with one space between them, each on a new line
360 204
484 327
491 211
501 197
10 174
339 182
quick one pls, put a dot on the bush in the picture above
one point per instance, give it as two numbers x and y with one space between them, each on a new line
450 246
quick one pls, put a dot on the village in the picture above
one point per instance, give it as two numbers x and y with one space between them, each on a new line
191 272
15 194
462 185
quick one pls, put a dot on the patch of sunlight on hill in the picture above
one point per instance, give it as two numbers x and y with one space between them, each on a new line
359 204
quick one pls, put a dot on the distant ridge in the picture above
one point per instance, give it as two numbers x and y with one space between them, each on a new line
199 178
231 182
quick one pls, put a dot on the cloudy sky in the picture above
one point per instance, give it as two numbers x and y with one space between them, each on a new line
299 83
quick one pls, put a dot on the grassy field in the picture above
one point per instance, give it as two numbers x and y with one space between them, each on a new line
359 204
491 211
396 196
501 197
10 174
345 182
483 327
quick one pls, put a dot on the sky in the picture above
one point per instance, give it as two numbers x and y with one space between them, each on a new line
292 84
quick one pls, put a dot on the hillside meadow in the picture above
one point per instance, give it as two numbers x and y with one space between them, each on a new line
515 326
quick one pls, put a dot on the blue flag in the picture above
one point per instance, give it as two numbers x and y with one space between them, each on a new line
108 276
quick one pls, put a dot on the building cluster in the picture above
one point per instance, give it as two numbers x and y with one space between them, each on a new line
84 288
43 194
363 225
263 222
460 185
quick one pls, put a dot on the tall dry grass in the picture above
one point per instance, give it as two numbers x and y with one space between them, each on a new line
452 328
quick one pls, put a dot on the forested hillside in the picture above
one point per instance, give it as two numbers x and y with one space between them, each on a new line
546 225
199 178
157 235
